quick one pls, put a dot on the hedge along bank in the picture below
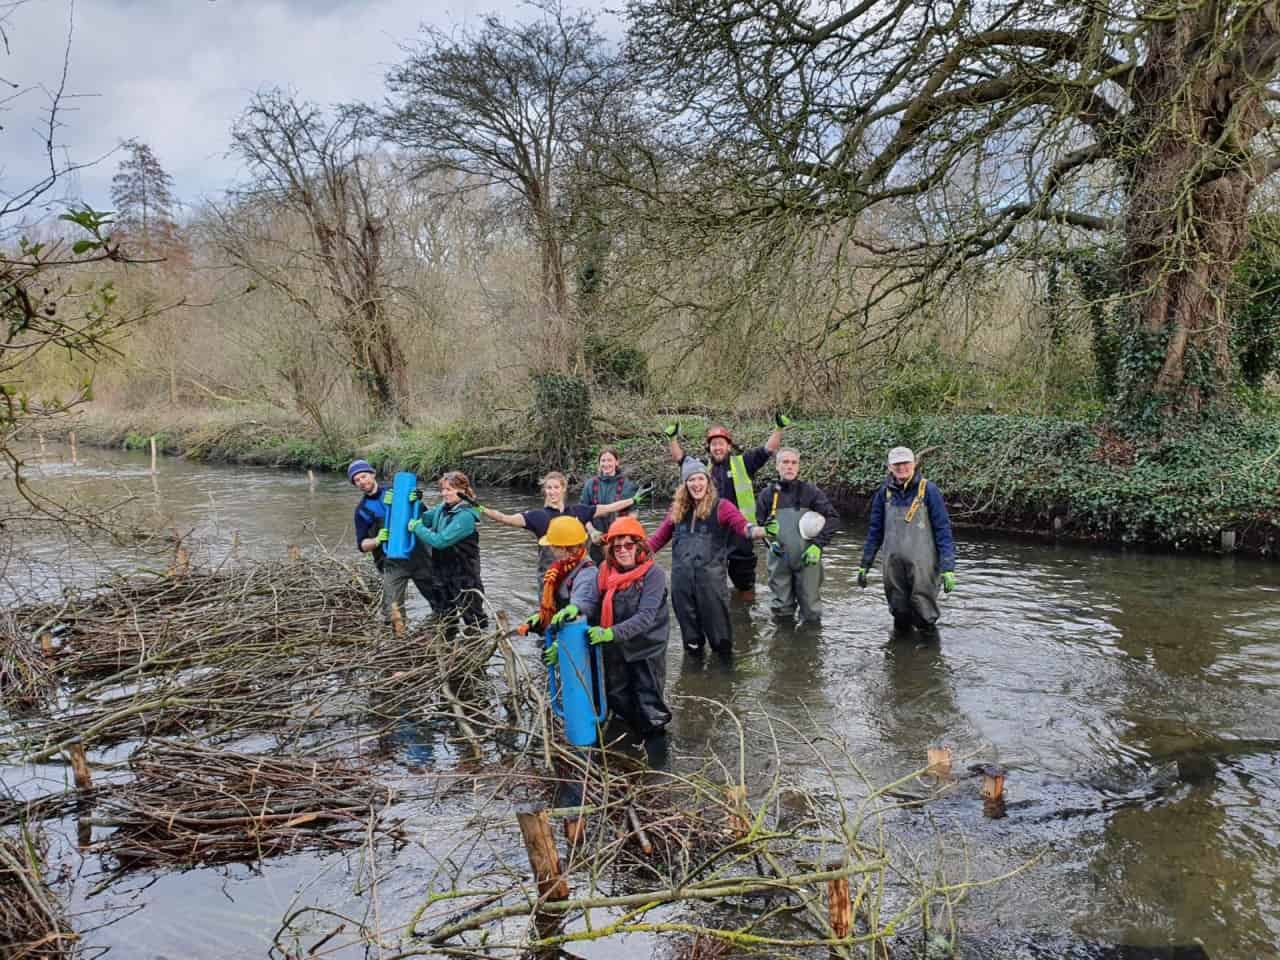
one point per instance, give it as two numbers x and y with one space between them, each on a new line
1072 479
1076 479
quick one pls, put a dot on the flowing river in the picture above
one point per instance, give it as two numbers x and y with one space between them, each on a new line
1134 700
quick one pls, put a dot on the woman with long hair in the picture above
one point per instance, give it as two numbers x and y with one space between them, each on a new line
554 487
450 530
626 606
701 526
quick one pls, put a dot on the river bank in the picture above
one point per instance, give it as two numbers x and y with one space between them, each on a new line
1068 479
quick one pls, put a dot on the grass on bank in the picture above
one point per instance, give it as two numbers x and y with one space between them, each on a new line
1003 472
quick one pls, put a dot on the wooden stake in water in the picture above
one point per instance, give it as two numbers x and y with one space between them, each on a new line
41 446
153 456
738 825
839 904
75 460
80 766
940 761
544 858
311 480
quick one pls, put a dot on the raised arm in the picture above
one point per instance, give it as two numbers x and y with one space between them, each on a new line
507 519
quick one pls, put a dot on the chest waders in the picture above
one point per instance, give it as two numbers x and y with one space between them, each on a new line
698 592
636 672
911 577
790 581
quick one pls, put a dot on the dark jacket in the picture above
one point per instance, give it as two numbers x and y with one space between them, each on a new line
901 495
802 496
371 517
598 490
450 532
641 621
752 459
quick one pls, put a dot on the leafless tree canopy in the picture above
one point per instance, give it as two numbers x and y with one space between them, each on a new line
934 134
507 104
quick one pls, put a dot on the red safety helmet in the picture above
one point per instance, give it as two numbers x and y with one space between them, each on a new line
718 431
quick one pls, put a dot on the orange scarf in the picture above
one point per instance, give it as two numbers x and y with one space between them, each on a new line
551 580
612 580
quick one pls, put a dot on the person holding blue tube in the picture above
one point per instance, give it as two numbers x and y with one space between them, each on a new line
372 513
625 603
450 530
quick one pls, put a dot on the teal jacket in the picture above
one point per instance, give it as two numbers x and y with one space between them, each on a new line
442 528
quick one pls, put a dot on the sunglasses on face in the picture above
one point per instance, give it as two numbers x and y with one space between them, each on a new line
625 543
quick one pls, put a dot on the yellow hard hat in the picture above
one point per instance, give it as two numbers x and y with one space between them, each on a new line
564 532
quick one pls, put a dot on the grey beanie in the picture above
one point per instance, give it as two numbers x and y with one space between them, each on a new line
689 467
901 455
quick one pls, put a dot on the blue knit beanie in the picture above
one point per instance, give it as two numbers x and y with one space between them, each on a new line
358 466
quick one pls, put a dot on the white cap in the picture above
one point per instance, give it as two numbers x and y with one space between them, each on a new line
901 455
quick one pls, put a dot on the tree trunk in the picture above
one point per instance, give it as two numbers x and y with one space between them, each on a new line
1191 176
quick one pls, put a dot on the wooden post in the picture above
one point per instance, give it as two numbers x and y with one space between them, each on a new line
738 825
839 904
544 858
295 552
311 480
75 460
154 471
646 845
940 761
46 644
1058 523
41 445
235 544
575 830
1228 541
993 791
80 766
181 562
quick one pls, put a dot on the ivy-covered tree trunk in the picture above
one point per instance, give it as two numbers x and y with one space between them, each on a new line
1191 176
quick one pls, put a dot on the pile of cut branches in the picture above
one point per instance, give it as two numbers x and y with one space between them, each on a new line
33 924
191 805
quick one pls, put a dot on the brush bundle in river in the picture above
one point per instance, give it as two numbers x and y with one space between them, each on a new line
190 805
33 923
26 676
147 623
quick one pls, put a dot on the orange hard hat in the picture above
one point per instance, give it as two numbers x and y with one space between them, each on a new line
719 431
626 527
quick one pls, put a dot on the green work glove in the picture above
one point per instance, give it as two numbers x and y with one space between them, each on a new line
642 493
781 420
771 527
862 576
599 635
414 524
387 497
413 496
812 555
551 655
672 430
567 615
948 581
383 536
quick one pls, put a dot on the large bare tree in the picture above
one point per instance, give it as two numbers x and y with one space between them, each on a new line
936 134
504 104
321 170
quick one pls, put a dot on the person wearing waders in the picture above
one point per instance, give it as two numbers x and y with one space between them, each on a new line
449 529
700 527
606 486
625 604
795 555
909 519
372 513
567 539
731 473
537 521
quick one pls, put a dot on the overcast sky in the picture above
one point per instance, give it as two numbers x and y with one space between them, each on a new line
176 73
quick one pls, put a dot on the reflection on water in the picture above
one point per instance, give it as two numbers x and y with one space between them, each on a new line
1132 698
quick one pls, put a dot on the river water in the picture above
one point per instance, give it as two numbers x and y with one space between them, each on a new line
1134 700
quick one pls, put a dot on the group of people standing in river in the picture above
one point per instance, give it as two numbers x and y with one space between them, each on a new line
596 560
